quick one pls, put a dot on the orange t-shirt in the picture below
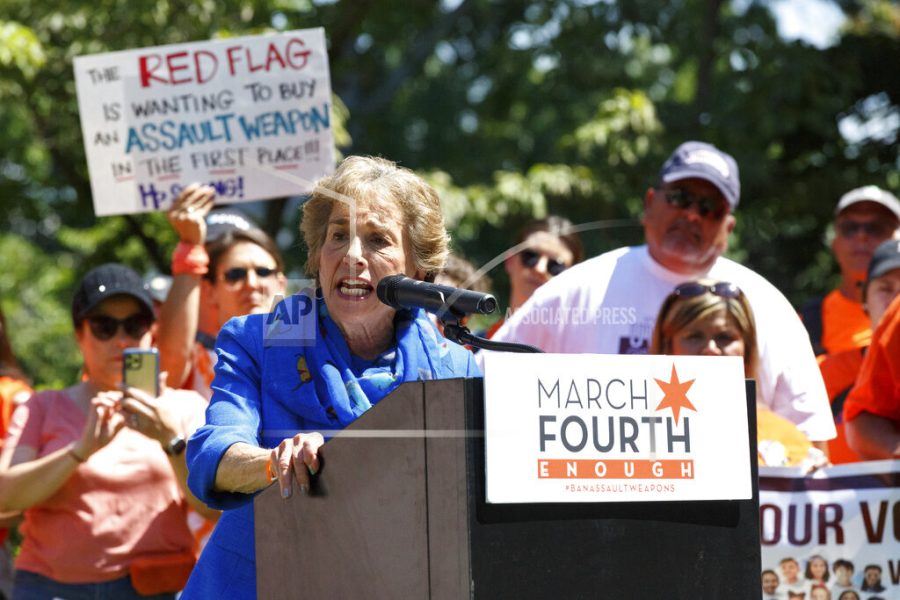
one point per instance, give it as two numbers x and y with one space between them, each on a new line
839 372
11 391
200 379
202 373
493 328
877 389
123 503
845 325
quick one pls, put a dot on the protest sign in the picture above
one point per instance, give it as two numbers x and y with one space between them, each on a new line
250 116
841 524
615 428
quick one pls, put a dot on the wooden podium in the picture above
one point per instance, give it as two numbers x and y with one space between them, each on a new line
400 514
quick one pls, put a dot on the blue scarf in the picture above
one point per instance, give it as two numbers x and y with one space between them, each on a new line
345 386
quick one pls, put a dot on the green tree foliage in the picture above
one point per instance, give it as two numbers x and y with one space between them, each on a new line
512 109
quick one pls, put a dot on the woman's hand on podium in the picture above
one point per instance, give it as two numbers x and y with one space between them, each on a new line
296 458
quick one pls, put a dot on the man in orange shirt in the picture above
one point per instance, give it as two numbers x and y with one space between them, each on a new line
864 218
872 410
840 369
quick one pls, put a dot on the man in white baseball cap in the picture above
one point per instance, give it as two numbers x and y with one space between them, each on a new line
863 218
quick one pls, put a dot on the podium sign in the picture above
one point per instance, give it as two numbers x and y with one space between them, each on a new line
615 428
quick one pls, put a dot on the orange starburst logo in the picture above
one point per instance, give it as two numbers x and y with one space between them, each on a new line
675 394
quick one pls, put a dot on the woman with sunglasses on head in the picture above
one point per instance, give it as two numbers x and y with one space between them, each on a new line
237 272
714 318
98 468
544 248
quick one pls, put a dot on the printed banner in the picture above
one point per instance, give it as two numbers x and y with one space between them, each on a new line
615 428
250 116
832 535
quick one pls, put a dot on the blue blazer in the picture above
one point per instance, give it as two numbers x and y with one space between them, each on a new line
269 386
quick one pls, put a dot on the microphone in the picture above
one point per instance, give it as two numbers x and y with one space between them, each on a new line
399 291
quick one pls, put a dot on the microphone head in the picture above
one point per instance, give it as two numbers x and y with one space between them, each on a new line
488 305
386 290
399 292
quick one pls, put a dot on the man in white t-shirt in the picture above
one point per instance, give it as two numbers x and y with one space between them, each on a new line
608 304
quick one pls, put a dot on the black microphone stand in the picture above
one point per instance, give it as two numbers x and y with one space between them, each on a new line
460 334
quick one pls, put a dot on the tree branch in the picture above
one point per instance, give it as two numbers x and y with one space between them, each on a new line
421 49
707 55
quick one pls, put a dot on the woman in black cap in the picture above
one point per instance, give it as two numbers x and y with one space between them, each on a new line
98 469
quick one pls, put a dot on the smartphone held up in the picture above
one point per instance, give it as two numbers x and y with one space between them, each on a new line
140 369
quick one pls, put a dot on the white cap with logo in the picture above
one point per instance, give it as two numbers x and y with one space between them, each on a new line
869 193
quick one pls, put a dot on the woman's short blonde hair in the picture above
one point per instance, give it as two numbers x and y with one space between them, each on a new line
678 312
367 177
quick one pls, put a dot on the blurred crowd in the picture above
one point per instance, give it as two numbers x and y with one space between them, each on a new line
111 464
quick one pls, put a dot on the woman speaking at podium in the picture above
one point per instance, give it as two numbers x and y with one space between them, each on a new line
321 359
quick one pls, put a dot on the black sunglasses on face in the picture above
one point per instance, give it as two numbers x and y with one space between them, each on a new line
237 274
722 289
104 327
707 207
849 229
530 259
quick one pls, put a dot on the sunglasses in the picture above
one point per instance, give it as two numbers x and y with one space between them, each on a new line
849 229
104 327
236 274
530 259
723 289
707 207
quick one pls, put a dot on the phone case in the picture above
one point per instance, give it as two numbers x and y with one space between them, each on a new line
140 369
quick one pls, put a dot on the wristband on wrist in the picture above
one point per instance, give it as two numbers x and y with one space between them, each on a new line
74 455
190 259
270 475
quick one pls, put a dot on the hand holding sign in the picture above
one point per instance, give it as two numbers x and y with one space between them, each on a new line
250 117
188 213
